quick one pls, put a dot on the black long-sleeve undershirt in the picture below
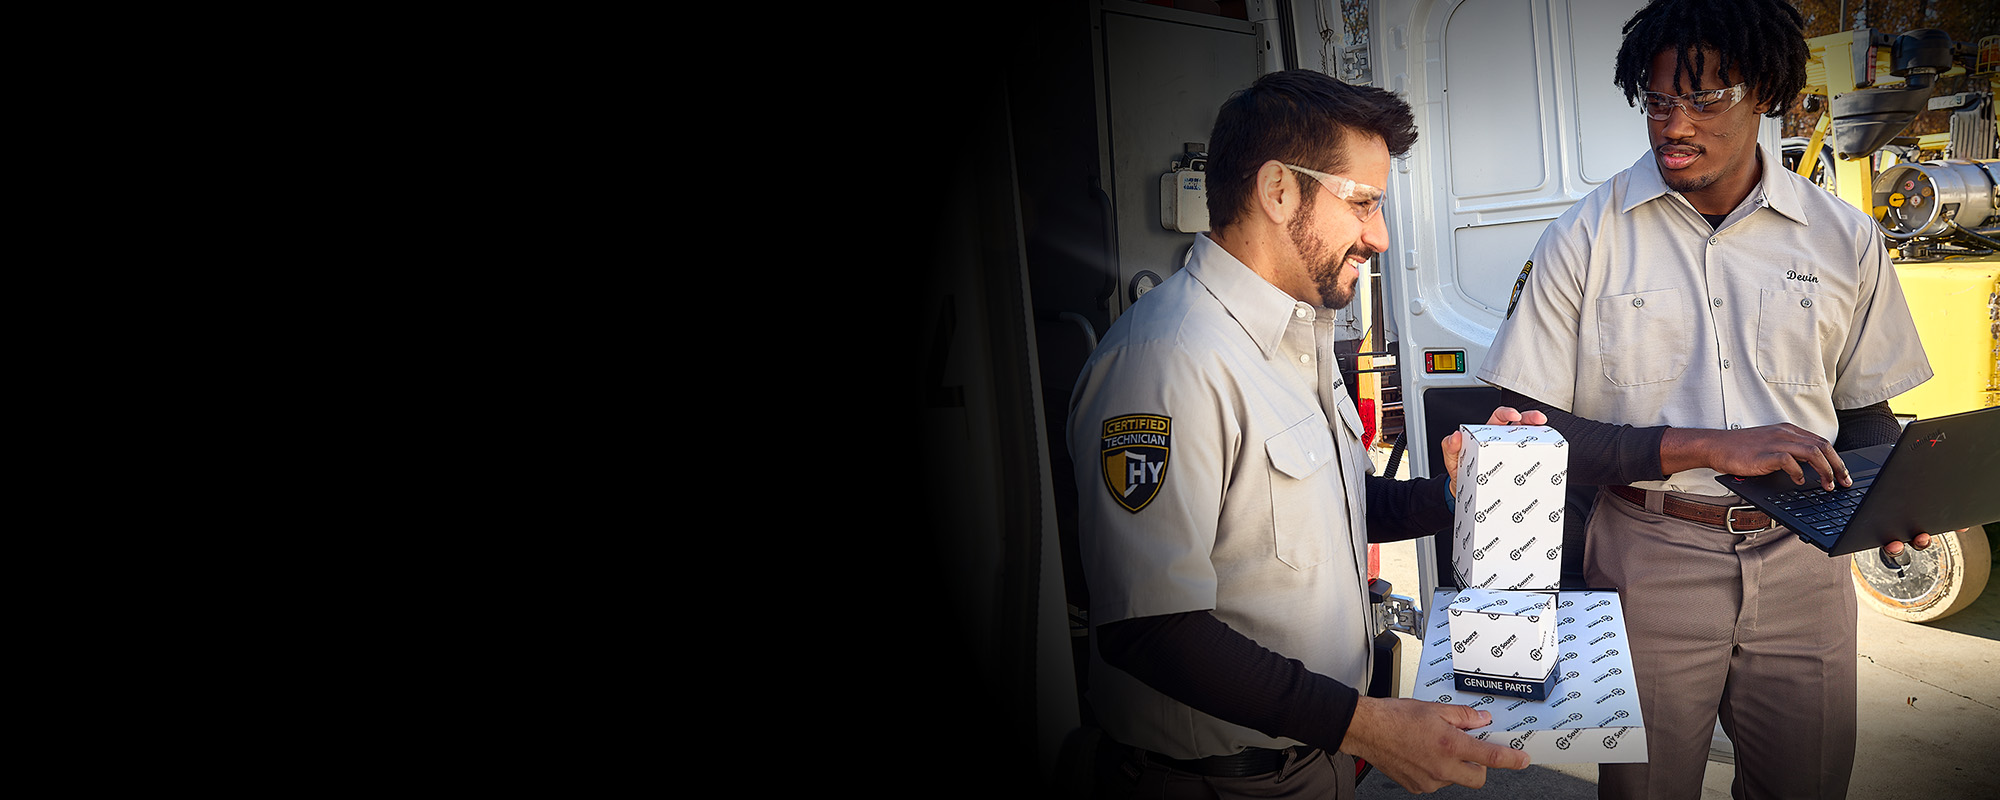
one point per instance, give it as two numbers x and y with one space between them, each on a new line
1602 453
1199 660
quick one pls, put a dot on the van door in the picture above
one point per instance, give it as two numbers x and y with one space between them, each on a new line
1518 120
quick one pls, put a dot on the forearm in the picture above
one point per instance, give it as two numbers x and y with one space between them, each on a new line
1400 510
1197 659
1601 453
1866 426
1627 454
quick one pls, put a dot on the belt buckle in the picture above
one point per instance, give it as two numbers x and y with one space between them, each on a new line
1729 521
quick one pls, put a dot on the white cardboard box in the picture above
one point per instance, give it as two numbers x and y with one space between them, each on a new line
1507 530
1592 712
1504 642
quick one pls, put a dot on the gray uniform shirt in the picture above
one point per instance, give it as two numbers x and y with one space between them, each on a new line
1636 311
1220 467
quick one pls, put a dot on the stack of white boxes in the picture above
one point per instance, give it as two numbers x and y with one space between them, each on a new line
1550 665
1591 714
1507 535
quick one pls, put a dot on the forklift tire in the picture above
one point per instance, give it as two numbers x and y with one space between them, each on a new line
1940 581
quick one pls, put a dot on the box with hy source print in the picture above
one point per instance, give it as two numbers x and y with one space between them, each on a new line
1507 529
1504 642
1591 714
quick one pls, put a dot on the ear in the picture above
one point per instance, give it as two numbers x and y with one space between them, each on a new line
1276 193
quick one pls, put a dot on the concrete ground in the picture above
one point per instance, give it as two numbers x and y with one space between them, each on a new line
1929 711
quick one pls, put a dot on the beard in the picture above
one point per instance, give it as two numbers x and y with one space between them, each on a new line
1681 180
1323 264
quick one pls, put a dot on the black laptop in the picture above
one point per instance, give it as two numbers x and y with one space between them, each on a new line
1941 475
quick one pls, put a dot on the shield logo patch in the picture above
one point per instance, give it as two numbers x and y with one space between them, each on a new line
1135 453
1519 283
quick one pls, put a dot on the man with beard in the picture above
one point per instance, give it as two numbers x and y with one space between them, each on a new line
1708 311
1224 539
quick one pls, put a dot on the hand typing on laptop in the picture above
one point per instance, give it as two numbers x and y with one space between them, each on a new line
1754 451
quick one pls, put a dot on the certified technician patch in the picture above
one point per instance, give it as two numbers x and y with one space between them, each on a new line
1518 283
1135 457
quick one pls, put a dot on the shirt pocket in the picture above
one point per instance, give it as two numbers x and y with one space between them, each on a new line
1785 319
1644 337
1305 502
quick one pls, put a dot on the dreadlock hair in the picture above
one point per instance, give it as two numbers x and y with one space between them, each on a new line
1763 39
1298 117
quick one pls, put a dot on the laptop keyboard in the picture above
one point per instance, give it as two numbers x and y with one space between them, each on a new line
1825 511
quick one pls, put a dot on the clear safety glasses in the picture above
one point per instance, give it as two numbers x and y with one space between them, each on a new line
1703 105
1367 200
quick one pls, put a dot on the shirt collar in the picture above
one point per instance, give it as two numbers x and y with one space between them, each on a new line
1262 309
1774 191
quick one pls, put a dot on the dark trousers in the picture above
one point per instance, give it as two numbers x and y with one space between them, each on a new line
1126 773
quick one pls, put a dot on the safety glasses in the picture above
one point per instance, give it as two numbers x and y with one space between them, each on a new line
1703 105
1367 200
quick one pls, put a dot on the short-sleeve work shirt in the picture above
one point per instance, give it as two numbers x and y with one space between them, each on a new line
1637 311
1220 467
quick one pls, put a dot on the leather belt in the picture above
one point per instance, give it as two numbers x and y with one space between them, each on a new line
1252 761
1734 519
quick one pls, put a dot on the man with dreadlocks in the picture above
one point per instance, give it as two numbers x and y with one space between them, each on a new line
1707 311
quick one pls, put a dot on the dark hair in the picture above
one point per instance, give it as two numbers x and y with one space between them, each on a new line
1763 39
1296 117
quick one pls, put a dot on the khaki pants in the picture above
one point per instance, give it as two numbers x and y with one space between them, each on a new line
1759 628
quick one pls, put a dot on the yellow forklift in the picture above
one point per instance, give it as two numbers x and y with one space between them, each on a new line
1935 199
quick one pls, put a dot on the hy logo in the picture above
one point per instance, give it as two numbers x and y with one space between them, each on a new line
1522 479
1515 554
1558 477
1481 516
1489 473
1612 740
1481 552
1135 450
1519 515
